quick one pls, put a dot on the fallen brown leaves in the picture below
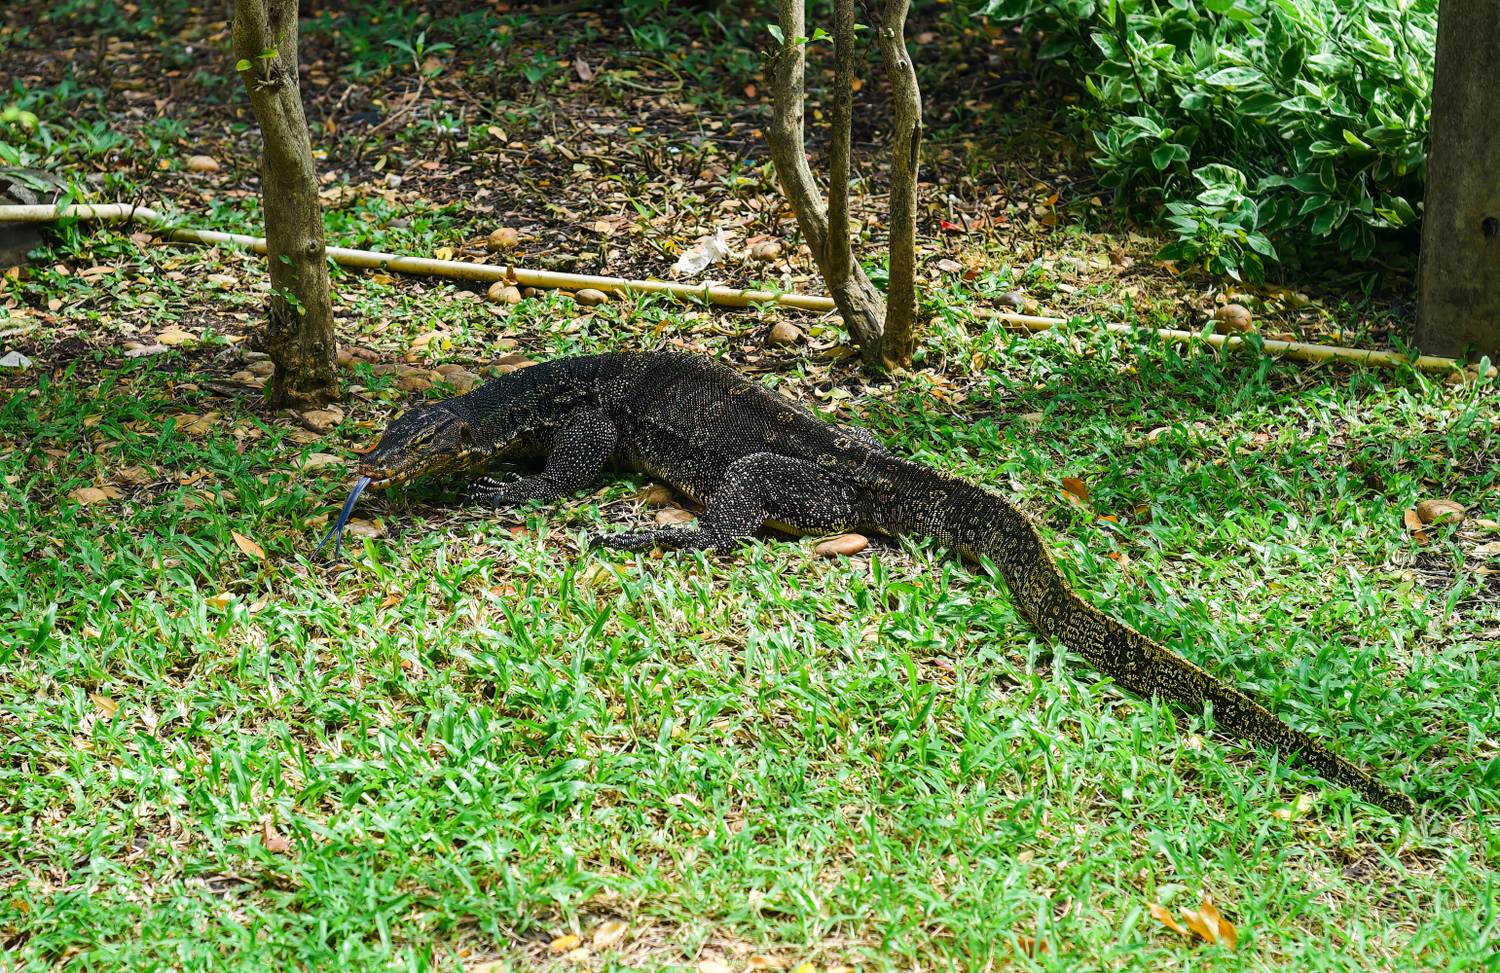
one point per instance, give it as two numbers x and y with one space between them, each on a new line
1075 490
1205 922
248 546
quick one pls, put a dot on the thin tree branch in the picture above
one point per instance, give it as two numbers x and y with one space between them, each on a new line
839 255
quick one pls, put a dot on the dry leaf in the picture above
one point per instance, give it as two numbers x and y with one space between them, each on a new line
88 495
106 706
1413 523
1208 924
489 966
714 966
1076 489
761 961
1164 916
1296 809
1439 511
609 933
582 69
1228 934
1205 922
245 544
443 253
221 600
191 425
363 528
276 842
316 461
1492 549
564 944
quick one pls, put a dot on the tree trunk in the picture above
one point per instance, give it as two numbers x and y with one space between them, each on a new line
299 335
859 302
906 138
1459 276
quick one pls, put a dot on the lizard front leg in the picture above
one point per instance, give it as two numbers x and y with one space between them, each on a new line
757 488
578 456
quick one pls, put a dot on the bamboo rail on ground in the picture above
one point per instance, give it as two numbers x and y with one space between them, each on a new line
713 294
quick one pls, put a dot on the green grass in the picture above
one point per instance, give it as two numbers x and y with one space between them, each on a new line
477 735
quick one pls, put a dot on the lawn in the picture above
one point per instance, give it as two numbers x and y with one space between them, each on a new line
475 742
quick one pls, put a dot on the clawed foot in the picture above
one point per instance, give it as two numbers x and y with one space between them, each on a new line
488 491
670 538
479 489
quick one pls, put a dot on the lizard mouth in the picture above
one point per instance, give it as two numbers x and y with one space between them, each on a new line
381 482
461 461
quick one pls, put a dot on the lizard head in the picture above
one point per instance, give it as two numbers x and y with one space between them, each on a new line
427 441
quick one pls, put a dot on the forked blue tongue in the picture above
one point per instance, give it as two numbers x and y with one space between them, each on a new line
337 531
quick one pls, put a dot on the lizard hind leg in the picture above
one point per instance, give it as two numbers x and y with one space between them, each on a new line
756 489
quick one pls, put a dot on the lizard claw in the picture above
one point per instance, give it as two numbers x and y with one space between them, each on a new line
669 538
636 540
487 491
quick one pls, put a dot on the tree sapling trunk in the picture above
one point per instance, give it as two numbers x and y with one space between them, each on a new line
299 335
826 231
899 340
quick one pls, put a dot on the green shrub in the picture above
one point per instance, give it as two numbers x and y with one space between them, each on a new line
1243 122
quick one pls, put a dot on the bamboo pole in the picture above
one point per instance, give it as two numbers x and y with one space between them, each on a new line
1300 350
724 296
459 269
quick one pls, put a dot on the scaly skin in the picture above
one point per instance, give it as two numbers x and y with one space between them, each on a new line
754 458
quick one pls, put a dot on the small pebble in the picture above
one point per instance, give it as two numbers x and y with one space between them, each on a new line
505 238
657 495
783 334
1233 318
502 293
843 545
765 251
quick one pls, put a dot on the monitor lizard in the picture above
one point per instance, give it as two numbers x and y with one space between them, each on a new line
754 458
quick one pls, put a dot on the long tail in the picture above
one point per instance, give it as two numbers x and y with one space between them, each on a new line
979 523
